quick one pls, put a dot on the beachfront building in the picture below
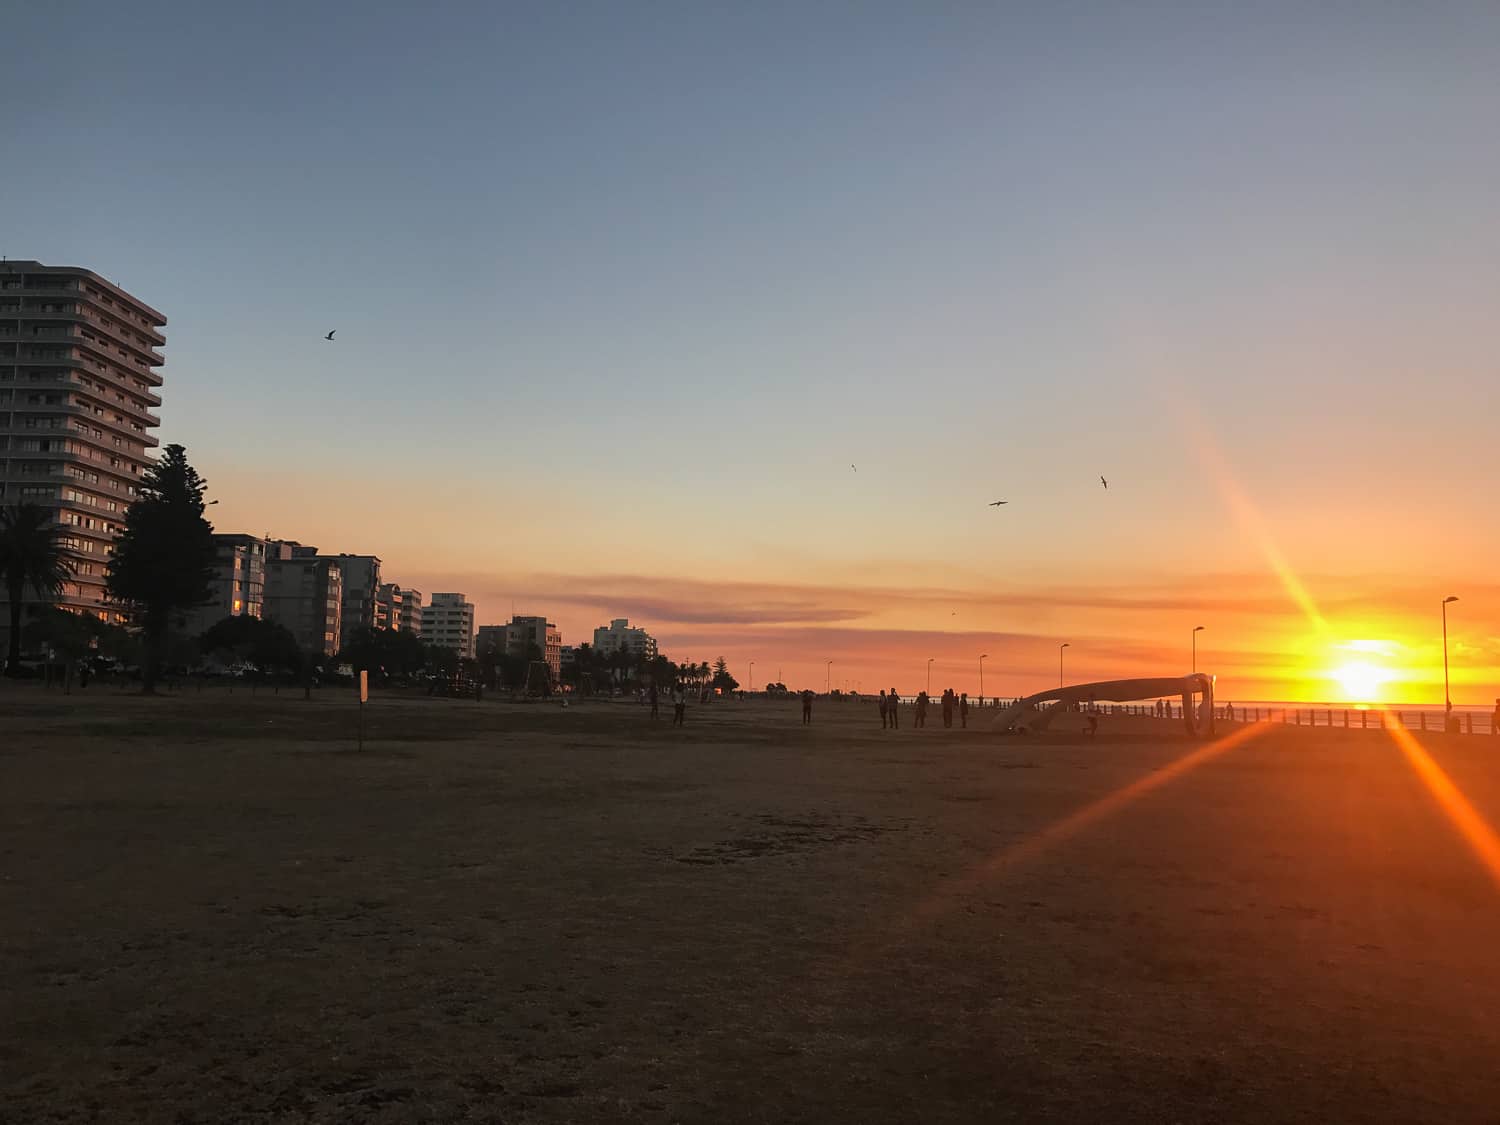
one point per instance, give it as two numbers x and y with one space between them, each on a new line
517 637
238 583
398 607
448 622
524 632
77 388
620 634
304 592
409 620
360 576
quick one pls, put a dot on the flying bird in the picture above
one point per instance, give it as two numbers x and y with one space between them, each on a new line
997 503
1104 482
330 335
852 467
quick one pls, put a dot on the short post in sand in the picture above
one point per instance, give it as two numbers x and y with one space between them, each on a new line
364 696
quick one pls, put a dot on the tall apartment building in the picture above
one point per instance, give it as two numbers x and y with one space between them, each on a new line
77 386
238 583
619 634
304 591
398 607
448 622
361 580
409 620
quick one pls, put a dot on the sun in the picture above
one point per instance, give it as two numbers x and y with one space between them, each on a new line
1361 681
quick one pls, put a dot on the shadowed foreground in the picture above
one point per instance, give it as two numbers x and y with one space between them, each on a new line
215 911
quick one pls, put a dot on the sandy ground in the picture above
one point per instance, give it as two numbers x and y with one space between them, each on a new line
213 910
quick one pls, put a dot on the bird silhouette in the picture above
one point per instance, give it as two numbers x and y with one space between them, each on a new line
997 503
852 467
330 335
1104 482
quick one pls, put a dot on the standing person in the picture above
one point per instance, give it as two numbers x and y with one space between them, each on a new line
1495 719
948 707
653 696
921 717
882 709
893 705
679 705
807 698
963 710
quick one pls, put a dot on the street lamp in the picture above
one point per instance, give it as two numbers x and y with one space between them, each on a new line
929 675
1196 630
752 677
1447 695
828 678
982 655
1060 647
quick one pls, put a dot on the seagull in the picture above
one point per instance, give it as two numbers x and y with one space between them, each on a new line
330 335
1104 482
997 503
852 467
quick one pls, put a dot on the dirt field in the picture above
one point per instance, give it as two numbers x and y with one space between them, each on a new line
213 910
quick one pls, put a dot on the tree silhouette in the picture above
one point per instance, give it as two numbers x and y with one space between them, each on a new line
164 558
31 554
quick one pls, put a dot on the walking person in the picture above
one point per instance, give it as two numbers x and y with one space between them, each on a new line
653 696
1495 719
963 710
883 716
893 705
807 698
921 717
679 705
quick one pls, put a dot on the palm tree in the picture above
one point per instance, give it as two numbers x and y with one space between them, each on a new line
31 554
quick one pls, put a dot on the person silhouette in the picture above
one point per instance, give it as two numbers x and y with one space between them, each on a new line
883 717
893 705
807 701
963 710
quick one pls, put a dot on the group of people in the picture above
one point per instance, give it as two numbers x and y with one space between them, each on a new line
952 703
679 703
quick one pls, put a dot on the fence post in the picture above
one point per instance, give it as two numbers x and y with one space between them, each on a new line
1346 718
1422 720
1468 722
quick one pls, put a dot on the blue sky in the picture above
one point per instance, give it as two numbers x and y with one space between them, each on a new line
675 267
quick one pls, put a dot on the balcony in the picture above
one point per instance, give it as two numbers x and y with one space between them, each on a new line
107 342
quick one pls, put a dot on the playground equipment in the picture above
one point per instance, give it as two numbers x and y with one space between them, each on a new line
1032 714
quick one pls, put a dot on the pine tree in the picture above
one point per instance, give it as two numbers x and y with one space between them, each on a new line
164 559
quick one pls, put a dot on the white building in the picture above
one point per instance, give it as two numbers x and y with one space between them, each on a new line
448 622
619 634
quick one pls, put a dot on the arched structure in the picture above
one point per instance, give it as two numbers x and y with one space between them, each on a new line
1030 714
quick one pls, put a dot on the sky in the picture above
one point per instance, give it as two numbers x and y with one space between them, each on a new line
732 319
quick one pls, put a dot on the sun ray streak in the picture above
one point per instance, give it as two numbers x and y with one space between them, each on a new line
1074 823
1466 819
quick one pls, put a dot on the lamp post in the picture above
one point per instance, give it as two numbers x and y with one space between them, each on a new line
929 675
827 677
1060 648
982 655
1196 630
752 677
1447 695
